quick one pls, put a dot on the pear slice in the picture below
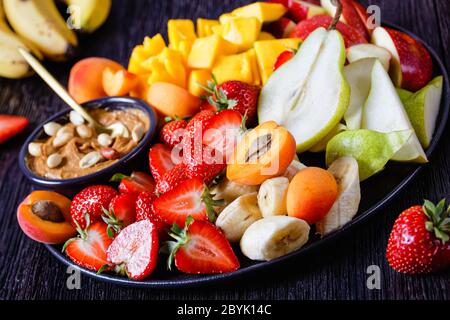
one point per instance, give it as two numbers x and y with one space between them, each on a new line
368 50
384 112
322 145
358 75
422 108
404 94
371 149
309 94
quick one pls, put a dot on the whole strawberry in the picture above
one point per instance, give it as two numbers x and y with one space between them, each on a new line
91 201
171 179
235 95
419 241
172 132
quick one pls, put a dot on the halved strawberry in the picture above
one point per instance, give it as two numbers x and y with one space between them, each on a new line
172 132
190 198
11 125
91 201
224 132
160 160
134 251
88 250
171 179
145 211
200 248
121 213
136 183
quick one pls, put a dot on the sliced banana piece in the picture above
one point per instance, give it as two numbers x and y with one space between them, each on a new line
230 191
238 216
345 170
272 197
273 237
293 169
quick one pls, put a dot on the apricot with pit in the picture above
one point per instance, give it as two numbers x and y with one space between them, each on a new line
86 78
44 216
263 153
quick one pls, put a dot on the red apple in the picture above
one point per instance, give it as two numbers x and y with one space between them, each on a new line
305 27
281 28
353 14
411 66
302 10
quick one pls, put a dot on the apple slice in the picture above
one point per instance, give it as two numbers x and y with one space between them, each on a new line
301 10
411 65
350 15
384 112
367 50
358 75
309 94
371 149
423 109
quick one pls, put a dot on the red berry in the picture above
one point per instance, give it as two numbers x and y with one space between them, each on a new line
172 132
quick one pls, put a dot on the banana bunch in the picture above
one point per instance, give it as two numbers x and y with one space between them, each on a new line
346 172
238 216
39 27
273 237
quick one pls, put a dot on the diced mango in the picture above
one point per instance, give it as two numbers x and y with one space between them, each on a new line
242 31
235 67
205 51
263 11
184 48
254 64
150 48
265 36
204 27
141 89
155 45
217 30
267 52
226 17
180 29
199 77
168 66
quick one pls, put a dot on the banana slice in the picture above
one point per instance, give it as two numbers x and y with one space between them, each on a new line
238 216
273 237
345 170
272 197
293 169
230 191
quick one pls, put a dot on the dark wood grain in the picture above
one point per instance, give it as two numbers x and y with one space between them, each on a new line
27 271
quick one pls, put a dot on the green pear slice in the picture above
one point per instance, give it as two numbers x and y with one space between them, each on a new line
322 145
422 108
358 75
371 149
404 94
309 94
368 50
384 112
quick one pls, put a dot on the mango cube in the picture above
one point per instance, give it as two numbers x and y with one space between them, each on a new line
204 27
199 77
265 36
168 66
217 30
242 31
226 17
263 11
155 45
234 67
180 29
254 64
205 51
267 52
150 48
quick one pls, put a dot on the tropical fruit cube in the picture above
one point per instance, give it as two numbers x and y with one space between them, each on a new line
242 31
234 67
204 27
180 29
150 48
263 11
197 79
267 52
205 51
265 36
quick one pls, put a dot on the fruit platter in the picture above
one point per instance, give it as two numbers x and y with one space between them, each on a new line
236 144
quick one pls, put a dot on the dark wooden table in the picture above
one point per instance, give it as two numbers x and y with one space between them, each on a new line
28 271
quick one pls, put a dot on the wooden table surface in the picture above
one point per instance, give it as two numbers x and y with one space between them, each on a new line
28 271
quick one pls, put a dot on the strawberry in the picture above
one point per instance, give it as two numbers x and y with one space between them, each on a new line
134 251
88 250
136 183
200 248
189 198
172 132
205 171
419 241
160 160
11 125
171 179
235 95
306 27
121 213
284 57
91 201
224 131
145 211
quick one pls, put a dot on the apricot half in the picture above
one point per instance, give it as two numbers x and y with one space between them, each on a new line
119 83
44 216
263 153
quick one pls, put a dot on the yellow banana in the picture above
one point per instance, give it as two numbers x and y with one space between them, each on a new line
39 22
88 15
272 197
